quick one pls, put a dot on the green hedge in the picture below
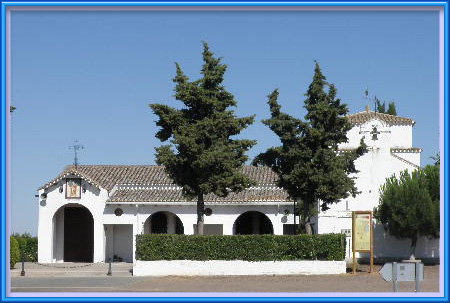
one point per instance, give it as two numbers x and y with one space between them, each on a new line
240 247
14 255
28 245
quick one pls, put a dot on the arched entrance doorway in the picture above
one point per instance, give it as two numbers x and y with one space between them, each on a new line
163 222
252 223
73 236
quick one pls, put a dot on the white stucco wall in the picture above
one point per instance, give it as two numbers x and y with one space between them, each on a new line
221 214
93 199
108 227
123 241
237 268
374 167
387 246
401 136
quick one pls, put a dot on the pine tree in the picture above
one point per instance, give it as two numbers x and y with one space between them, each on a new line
409 205
437 159
308 163
202 157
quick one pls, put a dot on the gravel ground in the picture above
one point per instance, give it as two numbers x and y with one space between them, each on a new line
359 282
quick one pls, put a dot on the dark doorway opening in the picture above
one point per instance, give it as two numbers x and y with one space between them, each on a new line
253 223
159 223
78 235
164 222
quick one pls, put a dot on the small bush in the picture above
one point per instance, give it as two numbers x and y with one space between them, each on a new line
28 245
14 255
240 247
31 250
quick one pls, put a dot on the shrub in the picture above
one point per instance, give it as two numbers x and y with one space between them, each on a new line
240 247
28 245
14 255
31 250
410 204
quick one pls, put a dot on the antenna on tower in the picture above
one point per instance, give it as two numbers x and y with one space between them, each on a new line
367 98
366 93
76 147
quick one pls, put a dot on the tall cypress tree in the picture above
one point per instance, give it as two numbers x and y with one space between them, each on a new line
308 163
380 107
391 109
202 157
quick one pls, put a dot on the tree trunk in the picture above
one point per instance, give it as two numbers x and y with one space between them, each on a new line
412 251
295 220
307 224
308 228
200 214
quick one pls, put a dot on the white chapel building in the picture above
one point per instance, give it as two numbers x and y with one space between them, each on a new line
92 213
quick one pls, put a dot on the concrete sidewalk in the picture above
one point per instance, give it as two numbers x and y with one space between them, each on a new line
72 269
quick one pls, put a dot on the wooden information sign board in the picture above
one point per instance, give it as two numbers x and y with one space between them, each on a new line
362 235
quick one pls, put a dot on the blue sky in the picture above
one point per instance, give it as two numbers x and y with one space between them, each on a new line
91 75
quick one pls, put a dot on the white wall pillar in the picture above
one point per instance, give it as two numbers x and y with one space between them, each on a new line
135 229
99 250
58 236
109 234
45 236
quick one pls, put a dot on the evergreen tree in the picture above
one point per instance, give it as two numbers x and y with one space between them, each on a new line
379 107
202 157
409 205
437 159
391 109
308 163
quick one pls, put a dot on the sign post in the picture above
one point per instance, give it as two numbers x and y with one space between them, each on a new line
362 235
403 272
394 277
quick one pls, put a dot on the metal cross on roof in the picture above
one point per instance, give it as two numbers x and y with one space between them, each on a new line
75 147
374 133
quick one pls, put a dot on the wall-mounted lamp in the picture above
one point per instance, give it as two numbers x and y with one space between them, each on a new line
207 211
84 189
61 189
286 212
43 195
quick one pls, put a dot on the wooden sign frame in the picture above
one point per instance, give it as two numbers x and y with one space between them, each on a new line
354 251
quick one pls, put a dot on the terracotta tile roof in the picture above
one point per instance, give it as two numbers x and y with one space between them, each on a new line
107 176
406 150
405 161
366 116
173 194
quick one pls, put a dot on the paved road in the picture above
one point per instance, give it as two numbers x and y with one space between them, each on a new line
360 282
71 284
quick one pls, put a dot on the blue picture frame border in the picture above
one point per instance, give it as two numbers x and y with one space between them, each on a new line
4 165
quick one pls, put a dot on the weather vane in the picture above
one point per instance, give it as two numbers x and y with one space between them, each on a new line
76 147
367 98
366 93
